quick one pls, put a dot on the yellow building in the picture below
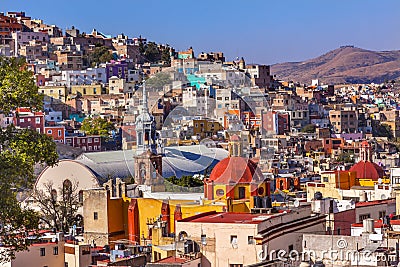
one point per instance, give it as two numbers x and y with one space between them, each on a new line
339 179
91 89
56 92
206 128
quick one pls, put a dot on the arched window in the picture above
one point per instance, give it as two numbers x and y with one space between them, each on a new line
53 195
67 187
220 192
142 170
140 138
80 196
261 190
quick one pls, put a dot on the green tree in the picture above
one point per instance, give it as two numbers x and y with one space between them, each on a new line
100 54
382 130
185 181
309 128
97 126
20 151
345 158
165 55
158 80
151 52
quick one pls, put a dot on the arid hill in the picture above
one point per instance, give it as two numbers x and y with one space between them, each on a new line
346 64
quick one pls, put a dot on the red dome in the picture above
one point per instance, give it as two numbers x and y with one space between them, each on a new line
367 170
236 170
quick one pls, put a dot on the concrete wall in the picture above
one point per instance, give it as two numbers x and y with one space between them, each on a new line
96 230
219 251
33 258
81 255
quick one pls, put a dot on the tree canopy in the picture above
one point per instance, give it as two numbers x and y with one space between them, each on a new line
59 206
100 54
185 181
382 130
21 150
309 128
17 86
97 126
151 52
159 80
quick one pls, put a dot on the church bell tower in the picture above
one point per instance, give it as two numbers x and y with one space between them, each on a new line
148 164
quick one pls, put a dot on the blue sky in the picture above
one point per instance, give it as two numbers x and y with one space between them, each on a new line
262 31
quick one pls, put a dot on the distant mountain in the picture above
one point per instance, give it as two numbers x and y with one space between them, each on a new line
346 64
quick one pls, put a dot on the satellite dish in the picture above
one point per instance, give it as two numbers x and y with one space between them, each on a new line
383 196
380 181
296 203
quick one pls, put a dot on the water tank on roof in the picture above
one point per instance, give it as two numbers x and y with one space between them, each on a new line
363 196
257 202
188 246
266 202
368 225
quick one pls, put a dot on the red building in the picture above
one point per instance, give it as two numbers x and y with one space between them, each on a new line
274 122
330 144
250 120
91 143
29 120
365 168
57 132
8 25
288 183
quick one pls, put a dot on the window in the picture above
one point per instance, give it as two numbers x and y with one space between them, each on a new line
42 252
326 179
242 192
59 132
55 250
37 120
220 192
235 265
95 216
233 239
49 131
80 196
250 240
362 217
21 120
203 240
85 250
